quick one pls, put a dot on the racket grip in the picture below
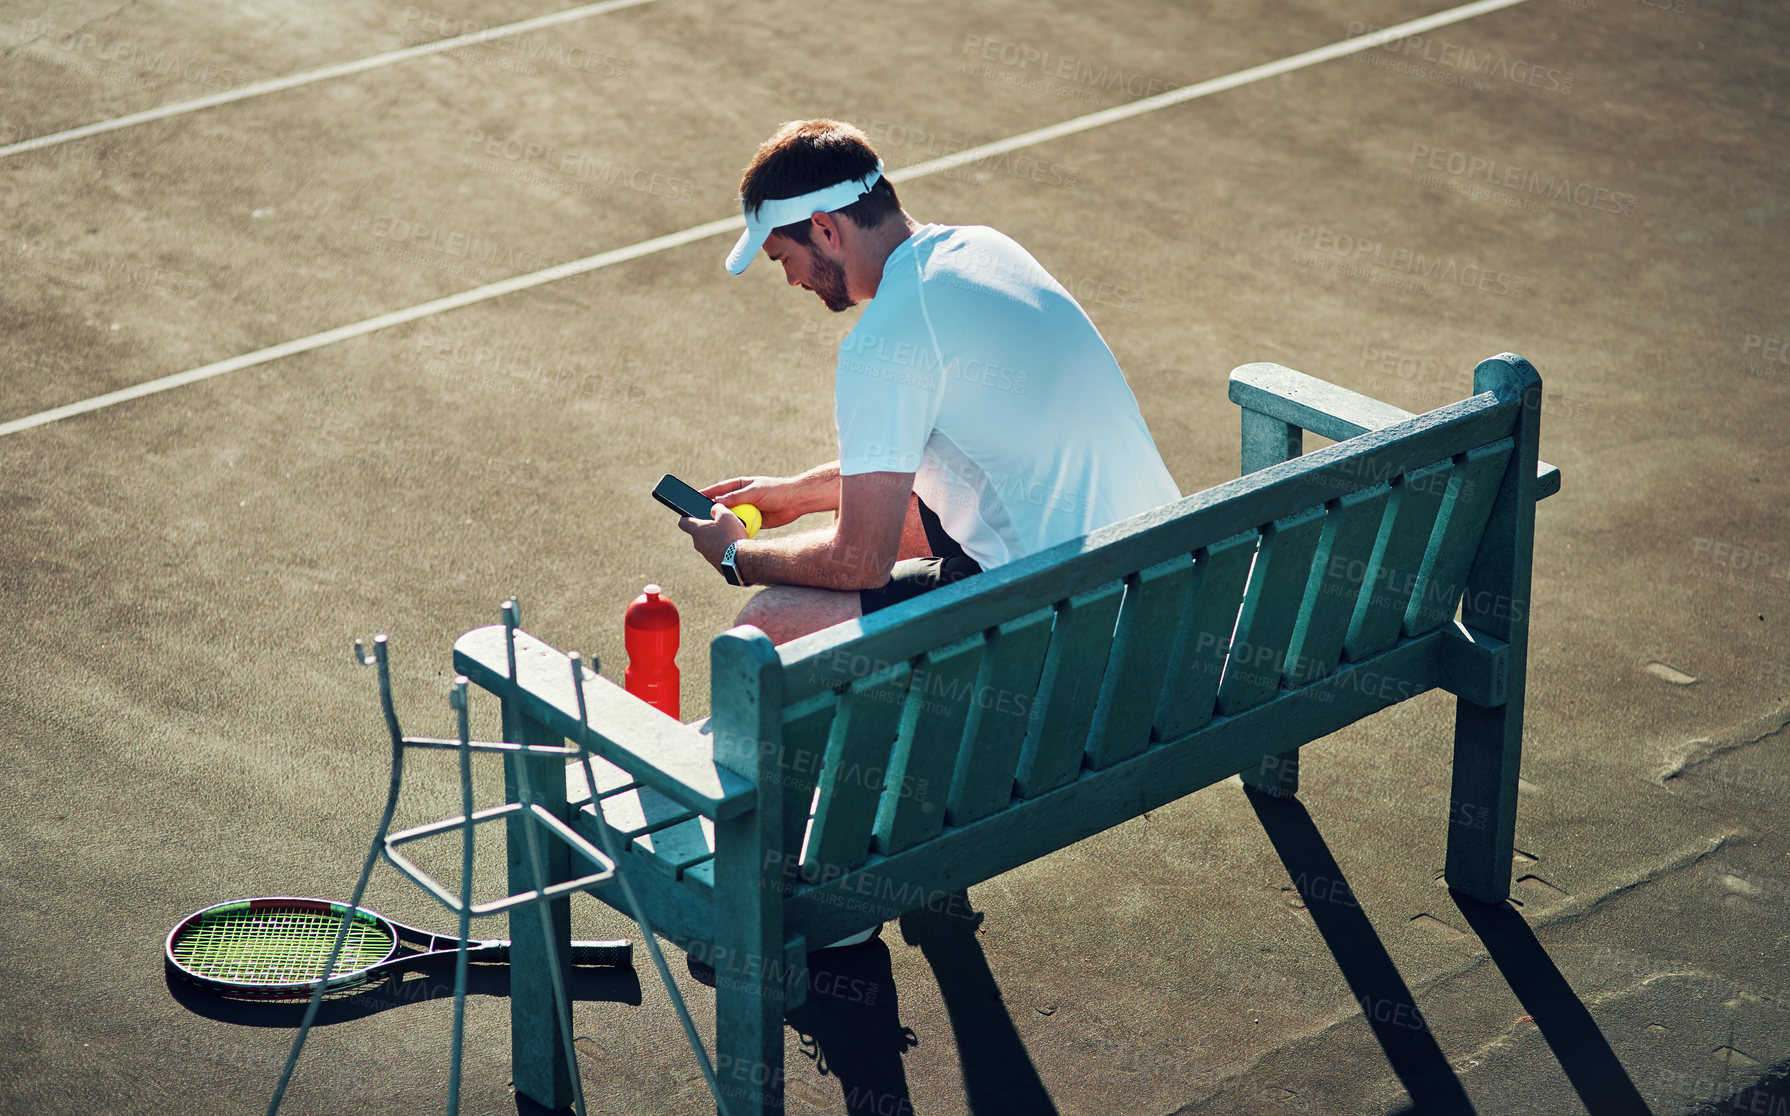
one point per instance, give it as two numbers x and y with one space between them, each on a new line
618 952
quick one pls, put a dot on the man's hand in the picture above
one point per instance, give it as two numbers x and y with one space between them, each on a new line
711 536
775 497
781 499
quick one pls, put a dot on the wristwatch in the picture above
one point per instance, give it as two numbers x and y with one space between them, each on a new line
728 570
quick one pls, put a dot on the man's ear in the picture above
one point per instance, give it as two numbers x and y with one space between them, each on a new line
828 226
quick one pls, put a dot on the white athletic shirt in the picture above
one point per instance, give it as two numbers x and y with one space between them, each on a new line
975 370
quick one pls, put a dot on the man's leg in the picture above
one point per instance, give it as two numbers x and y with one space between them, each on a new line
928 558
785 612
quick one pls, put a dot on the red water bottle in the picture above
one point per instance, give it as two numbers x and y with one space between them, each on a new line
651 639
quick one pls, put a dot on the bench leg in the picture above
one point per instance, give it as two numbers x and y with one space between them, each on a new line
1275 775
537 1048
1488 740
749 1046
1482 810
749 973
750 970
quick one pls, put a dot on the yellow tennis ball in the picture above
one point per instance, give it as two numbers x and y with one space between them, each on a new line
750 517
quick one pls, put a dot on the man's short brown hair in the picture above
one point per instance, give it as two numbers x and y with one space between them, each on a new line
807 155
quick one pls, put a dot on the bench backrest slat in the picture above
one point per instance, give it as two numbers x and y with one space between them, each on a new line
1005 686
1459 528
1068 689
1270 608
943 710
1338 571
818 662
925 756
807 726
1397 559
1203 637
1139 662
851 781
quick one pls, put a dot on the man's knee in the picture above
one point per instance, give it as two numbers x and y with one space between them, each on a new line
785 612
757 610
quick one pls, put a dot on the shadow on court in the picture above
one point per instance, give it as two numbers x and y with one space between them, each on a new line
1596 1074
1374 981
1769 1094
1593 1068
998 1073
850 1026
394 990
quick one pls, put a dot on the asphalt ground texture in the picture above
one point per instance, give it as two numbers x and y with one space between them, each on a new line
184 573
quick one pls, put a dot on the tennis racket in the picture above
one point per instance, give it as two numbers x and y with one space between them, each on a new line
276 947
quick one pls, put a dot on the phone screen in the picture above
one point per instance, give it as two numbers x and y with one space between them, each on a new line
681 498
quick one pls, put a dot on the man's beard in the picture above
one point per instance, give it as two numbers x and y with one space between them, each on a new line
826 278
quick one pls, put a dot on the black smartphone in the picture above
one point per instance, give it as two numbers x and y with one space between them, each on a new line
683 499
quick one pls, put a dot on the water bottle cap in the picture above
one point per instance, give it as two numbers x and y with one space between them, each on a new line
652 611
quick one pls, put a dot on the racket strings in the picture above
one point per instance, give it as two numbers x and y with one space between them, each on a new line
280 945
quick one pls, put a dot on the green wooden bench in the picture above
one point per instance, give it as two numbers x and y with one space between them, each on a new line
951 738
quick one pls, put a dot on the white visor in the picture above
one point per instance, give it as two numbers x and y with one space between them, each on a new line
777 212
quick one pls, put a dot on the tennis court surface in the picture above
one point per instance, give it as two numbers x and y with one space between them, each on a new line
260 395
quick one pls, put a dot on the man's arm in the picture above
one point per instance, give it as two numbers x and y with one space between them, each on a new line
914 543
857 552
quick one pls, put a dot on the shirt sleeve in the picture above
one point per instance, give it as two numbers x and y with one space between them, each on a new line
889 387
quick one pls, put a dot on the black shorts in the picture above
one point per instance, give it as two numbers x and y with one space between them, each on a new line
913 576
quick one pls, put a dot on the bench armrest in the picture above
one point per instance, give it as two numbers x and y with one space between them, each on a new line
1330 411
674 759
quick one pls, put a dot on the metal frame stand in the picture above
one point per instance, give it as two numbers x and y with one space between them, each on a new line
527 809
534 817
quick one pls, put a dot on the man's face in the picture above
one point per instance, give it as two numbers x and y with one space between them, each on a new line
805 266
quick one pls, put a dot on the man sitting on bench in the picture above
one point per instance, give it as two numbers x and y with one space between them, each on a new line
981 416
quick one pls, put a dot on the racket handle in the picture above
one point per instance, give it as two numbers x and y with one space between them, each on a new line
618 952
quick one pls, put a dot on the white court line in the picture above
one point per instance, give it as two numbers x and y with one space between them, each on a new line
1203 89
733 224
341 69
